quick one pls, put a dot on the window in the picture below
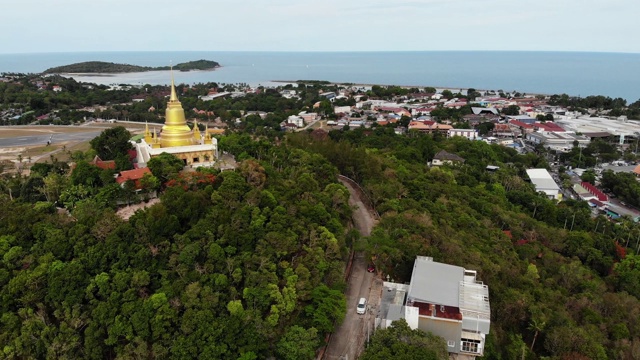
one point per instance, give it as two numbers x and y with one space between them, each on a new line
471 346
451 343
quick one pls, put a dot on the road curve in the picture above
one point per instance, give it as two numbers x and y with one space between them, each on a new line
347 341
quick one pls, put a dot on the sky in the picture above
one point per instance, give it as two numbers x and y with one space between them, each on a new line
35 26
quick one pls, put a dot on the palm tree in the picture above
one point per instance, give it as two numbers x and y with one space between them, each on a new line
536 325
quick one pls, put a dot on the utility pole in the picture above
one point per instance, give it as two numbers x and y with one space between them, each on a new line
580 157
573 221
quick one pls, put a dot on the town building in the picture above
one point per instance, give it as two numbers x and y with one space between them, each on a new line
308 117
471 134
177 138
543 181
559 141
444 157
430 127
485 111
134 175
619 130
443 299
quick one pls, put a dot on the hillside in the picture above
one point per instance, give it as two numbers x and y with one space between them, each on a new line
109 67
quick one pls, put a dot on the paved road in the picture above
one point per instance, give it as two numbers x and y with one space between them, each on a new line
42 139
347 341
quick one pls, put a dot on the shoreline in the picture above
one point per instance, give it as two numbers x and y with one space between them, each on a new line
112 74
330 83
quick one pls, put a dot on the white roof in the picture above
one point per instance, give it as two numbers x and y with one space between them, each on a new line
443 284
542 179
435 282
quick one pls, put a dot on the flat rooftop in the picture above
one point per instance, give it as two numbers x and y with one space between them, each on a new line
600 125
449 285
392 300
542 179
435 283
552 135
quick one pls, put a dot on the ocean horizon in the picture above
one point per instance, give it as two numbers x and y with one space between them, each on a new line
573 73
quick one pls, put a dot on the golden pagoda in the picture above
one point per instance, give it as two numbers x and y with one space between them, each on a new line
177 138
175 131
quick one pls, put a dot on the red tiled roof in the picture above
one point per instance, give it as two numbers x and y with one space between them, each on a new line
549 126
520 124
595 191
109 164
135 174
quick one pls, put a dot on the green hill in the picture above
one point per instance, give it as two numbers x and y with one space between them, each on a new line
109 67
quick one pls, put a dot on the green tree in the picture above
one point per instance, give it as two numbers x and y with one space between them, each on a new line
298 343
165 166
589 176
511 110
112 142
628 274
399 341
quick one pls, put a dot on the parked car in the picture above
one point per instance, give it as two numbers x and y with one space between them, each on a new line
371 268
362 306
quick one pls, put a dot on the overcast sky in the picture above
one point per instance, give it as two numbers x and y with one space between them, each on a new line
328 25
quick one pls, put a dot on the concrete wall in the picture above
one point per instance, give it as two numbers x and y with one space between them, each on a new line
476 324
448 329
411 314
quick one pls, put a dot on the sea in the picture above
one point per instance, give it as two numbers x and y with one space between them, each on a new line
573 73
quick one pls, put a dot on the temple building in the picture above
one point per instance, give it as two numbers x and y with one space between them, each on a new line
177 138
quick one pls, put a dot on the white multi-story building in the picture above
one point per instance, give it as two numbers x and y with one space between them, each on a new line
471 134
443 299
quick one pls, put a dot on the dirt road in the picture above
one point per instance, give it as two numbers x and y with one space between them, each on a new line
347 341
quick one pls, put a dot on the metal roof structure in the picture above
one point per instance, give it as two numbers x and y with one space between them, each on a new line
542 179
443 284
434 282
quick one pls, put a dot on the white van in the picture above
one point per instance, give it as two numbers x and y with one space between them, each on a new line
362 305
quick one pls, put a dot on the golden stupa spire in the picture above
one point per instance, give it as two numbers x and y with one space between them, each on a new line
173 97
175 131
147 134
196 131
207 135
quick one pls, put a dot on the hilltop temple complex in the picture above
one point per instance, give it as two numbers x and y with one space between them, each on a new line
177 138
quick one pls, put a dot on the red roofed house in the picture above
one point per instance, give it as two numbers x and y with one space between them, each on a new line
548 126
595 191
430 127
396 110
104 165
132 175
519 128
502 130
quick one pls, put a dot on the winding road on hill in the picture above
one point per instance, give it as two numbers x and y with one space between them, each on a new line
347 342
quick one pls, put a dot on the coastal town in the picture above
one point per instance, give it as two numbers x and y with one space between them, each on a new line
523 122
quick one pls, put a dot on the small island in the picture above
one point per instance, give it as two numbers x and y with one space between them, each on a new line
102 67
